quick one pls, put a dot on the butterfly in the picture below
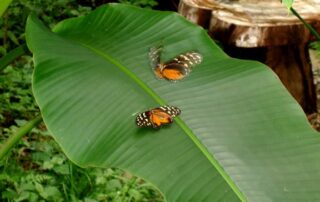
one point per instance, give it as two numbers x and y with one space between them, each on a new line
175 69
157 117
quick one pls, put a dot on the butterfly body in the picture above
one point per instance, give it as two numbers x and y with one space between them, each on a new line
157 117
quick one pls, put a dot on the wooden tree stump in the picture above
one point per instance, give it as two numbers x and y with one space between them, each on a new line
264 31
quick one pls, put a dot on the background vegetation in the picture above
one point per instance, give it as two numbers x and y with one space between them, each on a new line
37 170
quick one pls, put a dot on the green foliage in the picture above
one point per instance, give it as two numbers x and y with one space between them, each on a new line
140 3
316 45
12 23
37 170
16 98
4 5
51 11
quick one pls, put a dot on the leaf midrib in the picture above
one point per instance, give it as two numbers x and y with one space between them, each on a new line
183 126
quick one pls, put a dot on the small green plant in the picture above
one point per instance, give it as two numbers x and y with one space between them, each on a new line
16 99
316 45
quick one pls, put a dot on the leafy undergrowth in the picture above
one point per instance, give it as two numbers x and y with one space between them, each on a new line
37 170
12 23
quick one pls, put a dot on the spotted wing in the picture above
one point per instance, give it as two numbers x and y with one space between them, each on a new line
143 119
171 110
154 56
188 59
180 66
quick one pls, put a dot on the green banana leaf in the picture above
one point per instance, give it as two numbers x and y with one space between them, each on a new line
240 136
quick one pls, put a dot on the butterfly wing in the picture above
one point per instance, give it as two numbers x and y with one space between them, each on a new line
180 66
154 56
143 119
158 71
188 59
159 117
171 110
174 71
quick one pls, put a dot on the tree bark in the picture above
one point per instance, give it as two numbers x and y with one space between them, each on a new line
264 31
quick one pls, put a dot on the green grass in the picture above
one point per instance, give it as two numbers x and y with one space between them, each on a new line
37 170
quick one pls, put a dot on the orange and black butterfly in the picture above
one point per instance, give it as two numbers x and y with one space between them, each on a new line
175 69
157 117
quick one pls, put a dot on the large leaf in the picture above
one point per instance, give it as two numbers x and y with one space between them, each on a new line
240 136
